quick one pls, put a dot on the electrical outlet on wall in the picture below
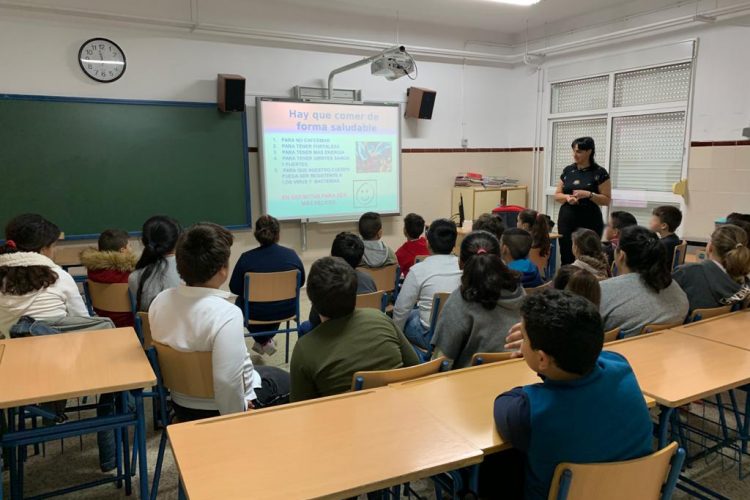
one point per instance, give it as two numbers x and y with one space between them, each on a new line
464 143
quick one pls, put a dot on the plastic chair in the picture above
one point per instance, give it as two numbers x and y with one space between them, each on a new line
420 258
611 335
112 297
483 358
656 327
372 379
701 314
272 287
678 258
648 478
143 329
386 278
438 301
540 262
374 300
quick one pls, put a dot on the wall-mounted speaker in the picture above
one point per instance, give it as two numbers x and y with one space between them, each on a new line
231 96
419 103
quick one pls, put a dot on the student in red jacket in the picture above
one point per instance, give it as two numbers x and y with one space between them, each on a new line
415 245
111 262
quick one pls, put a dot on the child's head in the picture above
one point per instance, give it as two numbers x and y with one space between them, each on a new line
516 244
27 233
332 287
485 275
745 226
618 220
736 216
587 243
413 226
203 255
349 247
370 226
728 245
159 238
441 236
665 219
578 281
536 224
563 334
31 233
267 230
490 223
113 240
642 253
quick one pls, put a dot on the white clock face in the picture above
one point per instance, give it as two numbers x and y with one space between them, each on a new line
102 60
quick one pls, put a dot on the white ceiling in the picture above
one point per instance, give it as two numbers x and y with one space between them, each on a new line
488 15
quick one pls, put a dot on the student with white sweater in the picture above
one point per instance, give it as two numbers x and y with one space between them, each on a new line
644 292
198 317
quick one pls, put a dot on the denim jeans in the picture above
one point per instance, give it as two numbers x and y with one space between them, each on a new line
106 439
415 331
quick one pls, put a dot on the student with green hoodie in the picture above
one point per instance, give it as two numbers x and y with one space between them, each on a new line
478 316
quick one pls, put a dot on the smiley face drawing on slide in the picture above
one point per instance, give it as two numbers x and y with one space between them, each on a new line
365 194
373 157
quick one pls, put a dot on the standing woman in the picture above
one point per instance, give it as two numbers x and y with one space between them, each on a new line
583 188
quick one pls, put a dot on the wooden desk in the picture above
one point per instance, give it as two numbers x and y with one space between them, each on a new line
68 365
676 369
472 395
730 329
334 447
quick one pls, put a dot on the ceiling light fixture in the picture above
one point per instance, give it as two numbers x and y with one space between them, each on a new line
524 3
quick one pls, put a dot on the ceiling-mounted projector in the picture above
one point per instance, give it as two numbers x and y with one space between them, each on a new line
393 65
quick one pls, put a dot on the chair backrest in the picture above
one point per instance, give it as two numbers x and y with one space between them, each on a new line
649 478
655 327
611 335
483 358
420 258
539 261
373 379
438 301
384 277
613 269
270 287
372 300
537 289
678 258
700 314
112 297
144 325
189 373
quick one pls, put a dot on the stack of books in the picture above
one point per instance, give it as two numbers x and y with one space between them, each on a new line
470 179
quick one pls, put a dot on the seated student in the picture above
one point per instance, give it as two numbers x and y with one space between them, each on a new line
720 279
736 216
587 249
515 245
537 226
36 295
618 220
578 281
664 221
269 257
349 247
377 253
644 292
198 317
415 245
562 341
156 270
347 341
490 223
111 262
436 274
478 315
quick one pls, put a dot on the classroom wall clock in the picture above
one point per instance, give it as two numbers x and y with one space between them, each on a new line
102 60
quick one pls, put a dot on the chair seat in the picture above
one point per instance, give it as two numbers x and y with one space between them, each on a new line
271 322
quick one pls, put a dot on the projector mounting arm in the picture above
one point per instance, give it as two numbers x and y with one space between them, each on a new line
362 62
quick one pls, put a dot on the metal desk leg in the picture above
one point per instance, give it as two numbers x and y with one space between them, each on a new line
13 457
123 404
552 261
140 434
665 417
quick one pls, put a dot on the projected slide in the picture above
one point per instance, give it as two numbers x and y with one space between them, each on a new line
328 161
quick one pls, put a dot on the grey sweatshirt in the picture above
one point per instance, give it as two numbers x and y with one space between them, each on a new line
377 254
708 285
466 328
628 303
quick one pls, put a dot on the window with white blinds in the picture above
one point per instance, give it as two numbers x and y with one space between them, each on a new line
563 135
580 95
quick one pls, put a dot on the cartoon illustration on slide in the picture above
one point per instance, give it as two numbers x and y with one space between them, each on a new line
365 194
373 157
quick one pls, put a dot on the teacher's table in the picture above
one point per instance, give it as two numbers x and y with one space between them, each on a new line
69 365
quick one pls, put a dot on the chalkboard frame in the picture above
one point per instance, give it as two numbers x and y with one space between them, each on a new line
143 102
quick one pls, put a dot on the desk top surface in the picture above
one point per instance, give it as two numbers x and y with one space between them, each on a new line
730 329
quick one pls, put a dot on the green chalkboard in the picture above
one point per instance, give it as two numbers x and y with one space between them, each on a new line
92 164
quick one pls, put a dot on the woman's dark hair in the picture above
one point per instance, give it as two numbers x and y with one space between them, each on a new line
586 144
645 255
490 223
27 233
159 238
202 251
267 230
539 229
485 275
578 281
